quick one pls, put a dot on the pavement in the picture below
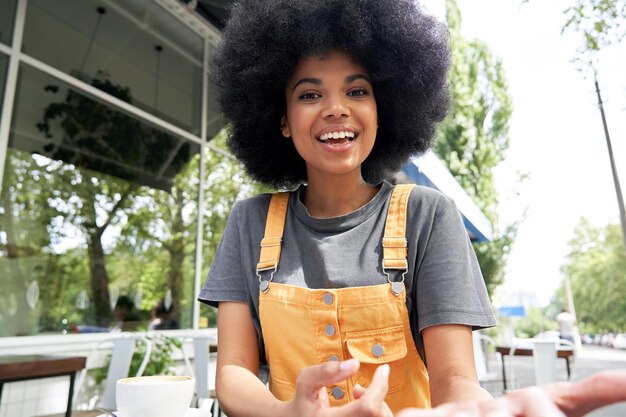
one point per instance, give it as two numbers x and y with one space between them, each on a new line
590 360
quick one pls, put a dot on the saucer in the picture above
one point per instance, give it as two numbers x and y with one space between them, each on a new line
191 412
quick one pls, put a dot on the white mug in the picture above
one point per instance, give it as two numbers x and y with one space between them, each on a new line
154 396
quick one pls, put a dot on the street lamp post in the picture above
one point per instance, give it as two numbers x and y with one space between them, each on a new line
618 189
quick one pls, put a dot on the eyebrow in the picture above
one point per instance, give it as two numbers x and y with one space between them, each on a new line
317 81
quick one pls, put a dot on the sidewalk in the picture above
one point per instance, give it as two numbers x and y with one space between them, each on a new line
590 360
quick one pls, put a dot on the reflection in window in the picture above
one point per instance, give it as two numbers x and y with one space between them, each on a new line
7 19
97 209
135 43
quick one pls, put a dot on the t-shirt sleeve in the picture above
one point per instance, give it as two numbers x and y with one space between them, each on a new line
450 286
225 281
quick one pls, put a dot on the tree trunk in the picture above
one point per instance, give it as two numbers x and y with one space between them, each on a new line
177 251
99 280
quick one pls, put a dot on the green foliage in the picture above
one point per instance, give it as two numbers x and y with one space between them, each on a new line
473 139
599 22
595 267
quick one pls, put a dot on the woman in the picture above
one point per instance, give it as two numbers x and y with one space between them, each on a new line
348 286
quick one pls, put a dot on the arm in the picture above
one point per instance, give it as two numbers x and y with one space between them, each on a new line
238 364
451 370
556 400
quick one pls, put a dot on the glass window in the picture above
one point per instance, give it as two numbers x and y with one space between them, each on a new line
98 215
138 46
7 19
4 65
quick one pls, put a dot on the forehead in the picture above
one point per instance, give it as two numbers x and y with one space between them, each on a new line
335 62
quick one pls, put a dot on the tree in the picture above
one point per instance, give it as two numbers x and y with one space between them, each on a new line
600 23
595 267
165 223
85 199
474 137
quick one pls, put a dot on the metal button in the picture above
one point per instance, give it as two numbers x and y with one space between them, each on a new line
397 288
328 298
333 358
330 330
337 393
378 350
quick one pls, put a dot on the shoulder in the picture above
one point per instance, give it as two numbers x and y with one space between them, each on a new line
252 207
430 202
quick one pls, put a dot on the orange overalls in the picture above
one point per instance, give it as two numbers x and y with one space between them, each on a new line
304 327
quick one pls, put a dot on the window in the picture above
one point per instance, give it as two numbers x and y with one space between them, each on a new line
99 200
96 208
7 18
135 44
4 63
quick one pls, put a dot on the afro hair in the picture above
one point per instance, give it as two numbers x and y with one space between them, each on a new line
404 50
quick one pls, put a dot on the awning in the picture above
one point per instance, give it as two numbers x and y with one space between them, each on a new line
428 170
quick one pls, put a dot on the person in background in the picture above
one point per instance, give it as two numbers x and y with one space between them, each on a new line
163 317
125 316
567 325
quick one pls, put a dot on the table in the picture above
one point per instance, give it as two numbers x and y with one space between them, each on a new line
24 367
563 352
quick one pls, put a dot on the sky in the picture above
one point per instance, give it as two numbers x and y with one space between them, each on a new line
556 137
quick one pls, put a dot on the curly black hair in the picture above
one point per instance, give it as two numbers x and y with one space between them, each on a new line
404 50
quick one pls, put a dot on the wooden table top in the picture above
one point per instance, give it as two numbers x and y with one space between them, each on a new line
562 352
16 367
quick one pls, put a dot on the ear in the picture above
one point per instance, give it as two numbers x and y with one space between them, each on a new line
284 128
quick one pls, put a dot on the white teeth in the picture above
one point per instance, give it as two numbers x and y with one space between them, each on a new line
337 135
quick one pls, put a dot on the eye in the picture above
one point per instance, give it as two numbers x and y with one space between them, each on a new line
358 92
309 96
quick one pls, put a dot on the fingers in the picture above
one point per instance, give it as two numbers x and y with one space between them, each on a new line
579 398
371 401
377 390
313 378
530 402
358 391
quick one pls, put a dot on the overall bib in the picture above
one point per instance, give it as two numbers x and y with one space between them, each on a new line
304 327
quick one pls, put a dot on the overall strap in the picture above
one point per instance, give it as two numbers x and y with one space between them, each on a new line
394 240
274 226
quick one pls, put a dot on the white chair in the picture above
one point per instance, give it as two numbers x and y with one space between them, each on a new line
485 374
119 366
205 382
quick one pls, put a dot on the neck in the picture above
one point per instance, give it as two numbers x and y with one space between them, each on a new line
336 195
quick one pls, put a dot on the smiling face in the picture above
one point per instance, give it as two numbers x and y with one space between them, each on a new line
331 114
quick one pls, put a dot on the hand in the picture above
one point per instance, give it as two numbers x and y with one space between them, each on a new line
311 397
555 400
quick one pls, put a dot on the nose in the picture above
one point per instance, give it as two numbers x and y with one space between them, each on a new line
336 107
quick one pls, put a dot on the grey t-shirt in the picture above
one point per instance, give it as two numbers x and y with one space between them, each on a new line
444 284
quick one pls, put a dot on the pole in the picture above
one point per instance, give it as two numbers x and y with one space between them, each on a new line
618 189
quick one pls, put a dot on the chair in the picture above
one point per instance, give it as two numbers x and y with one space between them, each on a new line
119 367
204 389
485 375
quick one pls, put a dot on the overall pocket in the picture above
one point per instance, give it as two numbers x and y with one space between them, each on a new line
373 348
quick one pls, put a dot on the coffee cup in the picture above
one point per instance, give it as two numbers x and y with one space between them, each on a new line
154 396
